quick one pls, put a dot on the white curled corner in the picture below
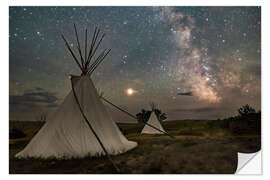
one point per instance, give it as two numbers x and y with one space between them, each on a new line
249 163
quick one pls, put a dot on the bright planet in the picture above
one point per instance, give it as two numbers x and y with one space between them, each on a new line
130 91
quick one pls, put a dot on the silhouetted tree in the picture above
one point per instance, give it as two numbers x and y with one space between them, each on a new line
161 116
245 110
143 116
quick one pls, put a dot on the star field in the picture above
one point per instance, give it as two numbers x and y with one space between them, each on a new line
213 52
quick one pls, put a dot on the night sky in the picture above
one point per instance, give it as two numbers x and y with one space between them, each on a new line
193 62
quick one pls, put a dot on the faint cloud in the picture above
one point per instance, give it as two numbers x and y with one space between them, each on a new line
35 97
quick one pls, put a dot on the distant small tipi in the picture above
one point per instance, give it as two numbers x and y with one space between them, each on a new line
81 126
153 120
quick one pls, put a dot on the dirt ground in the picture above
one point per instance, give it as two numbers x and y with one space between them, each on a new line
196 149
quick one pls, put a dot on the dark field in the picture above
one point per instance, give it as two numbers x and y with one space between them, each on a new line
199 147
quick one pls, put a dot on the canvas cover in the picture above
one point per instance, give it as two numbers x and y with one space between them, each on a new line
154 122
66 134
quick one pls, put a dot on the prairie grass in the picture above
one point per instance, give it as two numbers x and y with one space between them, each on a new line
197 148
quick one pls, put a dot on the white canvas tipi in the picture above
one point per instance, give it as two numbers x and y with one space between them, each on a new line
154 122
67 134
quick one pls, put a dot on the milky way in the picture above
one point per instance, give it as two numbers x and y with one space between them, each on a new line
191 66
159 52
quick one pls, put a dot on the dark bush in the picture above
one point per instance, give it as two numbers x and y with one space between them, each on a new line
246 110
247 122
160 115
143 116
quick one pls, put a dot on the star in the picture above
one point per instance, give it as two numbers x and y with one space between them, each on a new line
211 51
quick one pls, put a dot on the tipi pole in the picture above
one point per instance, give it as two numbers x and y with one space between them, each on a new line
99 61
98 44
120 109
85 48
92 129
91 48
70 50
78 45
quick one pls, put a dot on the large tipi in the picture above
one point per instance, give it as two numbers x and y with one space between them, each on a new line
81 126
154 122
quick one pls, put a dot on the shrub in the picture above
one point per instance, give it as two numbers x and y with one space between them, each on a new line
143 116
246 110
161 116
